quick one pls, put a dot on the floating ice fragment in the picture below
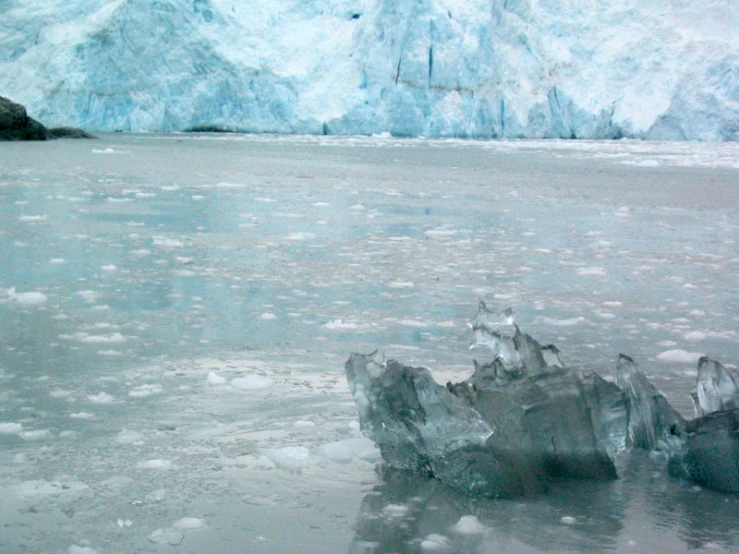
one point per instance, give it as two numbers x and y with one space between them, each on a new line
215 379
82 415
158 464
395 510
348 450
268 316
468 525
33 217
101 398
679 356
144 391
717 387
568 520
34 435
127 436
187 523
74 549
167 535
292 458
591 271
27 298
251 382
435 543
10 428
41 488
166 242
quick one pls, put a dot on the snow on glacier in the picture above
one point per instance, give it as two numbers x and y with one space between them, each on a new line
480 68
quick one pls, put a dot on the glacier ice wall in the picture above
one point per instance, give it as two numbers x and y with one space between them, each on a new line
665 69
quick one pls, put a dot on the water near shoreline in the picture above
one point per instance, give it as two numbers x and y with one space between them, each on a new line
176 312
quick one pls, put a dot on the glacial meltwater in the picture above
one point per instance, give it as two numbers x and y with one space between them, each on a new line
176 312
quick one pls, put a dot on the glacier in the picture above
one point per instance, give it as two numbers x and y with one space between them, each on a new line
525 420
435 68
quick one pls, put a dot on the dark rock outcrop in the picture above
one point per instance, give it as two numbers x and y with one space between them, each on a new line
70 133
16 125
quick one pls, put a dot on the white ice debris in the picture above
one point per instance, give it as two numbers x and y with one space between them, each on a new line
187 523
101 398
251 382
128 436
292 458
468 525
74 549
158 464
215 379
395 510
167 535
679 356
435 543
34 298
10 428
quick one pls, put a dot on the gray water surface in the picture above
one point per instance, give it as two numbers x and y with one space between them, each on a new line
176 311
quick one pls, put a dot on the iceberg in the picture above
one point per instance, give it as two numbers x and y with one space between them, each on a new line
485 69
526 420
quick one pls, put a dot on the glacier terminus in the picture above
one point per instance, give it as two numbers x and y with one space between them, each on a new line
434 68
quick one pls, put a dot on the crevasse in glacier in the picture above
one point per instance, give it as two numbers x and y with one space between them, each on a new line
471 68
526 419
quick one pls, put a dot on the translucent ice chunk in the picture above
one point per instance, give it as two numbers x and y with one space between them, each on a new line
717 387
652 421
422 426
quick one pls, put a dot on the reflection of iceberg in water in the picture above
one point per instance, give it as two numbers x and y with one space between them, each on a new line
525 420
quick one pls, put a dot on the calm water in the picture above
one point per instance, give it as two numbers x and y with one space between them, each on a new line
176 312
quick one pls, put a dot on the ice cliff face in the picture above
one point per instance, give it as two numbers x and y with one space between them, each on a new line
478 68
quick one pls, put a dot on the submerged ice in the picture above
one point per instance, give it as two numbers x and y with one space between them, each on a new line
525 419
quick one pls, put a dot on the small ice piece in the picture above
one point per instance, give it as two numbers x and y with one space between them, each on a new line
167 535
568 520
292 458
679 356
34 298
35 434
395 510
348 450
653 423
74 549
435 543
41 488
127 436
468 525
109 268
124 523
251 382
215 379
101 398
159 465
157 496
10 428
717 387
188 523
144 391
268 316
